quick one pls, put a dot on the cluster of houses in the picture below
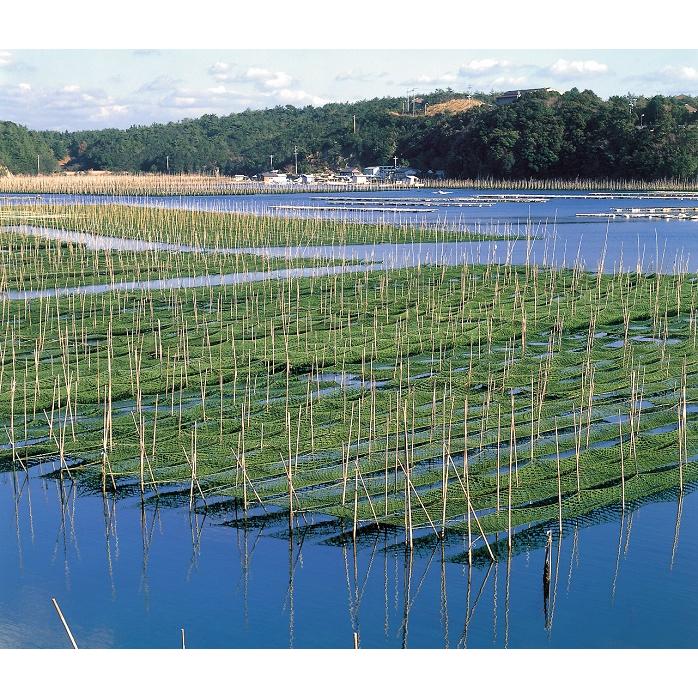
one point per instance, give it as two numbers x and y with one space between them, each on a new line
378 174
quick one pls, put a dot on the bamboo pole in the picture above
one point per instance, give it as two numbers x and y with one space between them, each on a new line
64 622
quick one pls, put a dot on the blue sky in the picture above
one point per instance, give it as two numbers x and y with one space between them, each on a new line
76 89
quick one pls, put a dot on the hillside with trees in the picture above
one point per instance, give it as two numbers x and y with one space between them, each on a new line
575 134
541 135
22 150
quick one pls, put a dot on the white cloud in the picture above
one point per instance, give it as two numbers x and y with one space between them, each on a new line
299 97
424 80
161 98
212 100
108 110
263 78
564 68
508 81
679 73
161 83
220 71
477 74
270 87
445 79
67 107
482 66
11 64
669 79
359 76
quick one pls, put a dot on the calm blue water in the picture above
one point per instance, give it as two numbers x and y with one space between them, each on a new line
127 577
565 236
561 206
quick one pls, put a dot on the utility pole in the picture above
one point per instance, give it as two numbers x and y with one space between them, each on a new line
631 103
295 154
38 165
167 158
395 160
354 124
271 162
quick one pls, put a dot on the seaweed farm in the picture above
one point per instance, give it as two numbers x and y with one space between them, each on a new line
402 425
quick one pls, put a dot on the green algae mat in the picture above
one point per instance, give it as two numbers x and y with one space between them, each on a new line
468 400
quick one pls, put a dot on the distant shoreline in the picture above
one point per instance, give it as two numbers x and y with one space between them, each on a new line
126 184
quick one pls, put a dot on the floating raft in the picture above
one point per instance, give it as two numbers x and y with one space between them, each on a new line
663 209
689 213
477 200
382 209
410 204
641 195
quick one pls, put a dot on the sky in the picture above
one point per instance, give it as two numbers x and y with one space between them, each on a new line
62 89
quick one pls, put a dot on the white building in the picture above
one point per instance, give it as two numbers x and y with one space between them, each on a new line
274 177
379 171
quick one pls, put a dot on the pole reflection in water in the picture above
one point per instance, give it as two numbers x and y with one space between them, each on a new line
506 601
494 597
347 578
546 579
557 575
444 595
620 545
574 555
677 528
196 529
63 536
386 620
147 532
627 535
409 558
471 610
463 641
126 586
17 496
291 590
109 511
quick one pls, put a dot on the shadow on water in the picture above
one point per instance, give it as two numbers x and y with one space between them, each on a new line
536 536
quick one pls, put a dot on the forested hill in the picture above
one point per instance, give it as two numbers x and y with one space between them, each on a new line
575 134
